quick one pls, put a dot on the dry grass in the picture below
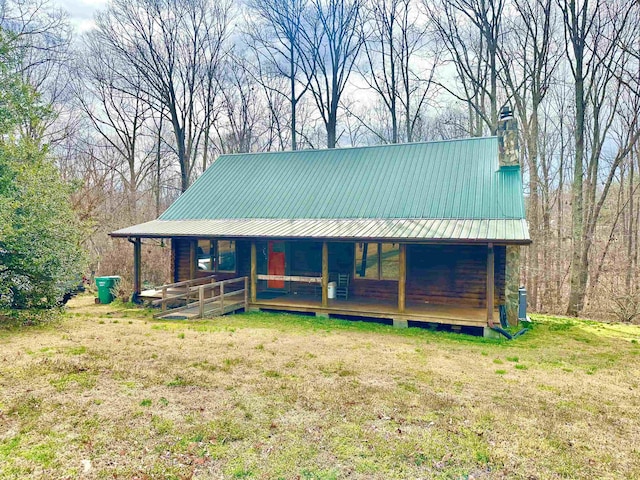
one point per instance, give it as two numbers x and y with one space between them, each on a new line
110 393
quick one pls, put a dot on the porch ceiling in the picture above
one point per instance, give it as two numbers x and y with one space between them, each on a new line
456 230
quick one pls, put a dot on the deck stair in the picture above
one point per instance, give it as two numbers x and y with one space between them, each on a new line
200 298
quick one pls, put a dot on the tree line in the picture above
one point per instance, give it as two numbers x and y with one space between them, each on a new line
147 99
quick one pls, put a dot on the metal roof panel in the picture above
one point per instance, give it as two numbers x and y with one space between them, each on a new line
505 230
448 179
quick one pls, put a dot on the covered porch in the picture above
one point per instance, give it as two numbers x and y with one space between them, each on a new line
399 282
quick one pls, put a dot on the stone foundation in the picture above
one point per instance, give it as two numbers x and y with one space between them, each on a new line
512 283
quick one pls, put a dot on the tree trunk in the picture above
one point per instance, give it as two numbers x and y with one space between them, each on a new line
331 132
630 230
294 100
534 206
579 262
158 169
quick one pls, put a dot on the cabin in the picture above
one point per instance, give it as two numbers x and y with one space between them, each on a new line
406 233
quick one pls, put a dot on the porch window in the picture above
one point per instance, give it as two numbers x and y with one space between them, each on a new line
377 261
389 261
216 255
226 250
205 256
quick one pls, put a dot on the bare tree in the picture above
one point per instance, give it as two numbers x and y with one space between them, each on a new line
398 67
594 32
330 42
41 37
276 38
238 130
120 117
174 49
529 56
471 30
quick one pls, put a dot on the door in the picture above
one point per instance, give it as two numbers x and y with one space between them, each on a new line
276 263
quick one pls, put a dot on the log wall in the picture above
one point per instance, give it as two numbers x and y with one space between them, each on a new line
182 261
453 274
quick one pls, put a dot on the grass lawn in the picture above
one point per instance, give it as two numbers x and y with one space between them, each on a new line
109 392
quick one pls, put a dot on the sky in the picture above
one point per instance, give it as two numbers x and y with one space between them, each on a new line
80 12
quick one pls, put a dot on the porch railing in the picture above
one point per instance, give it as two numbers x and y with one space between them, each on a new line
209 299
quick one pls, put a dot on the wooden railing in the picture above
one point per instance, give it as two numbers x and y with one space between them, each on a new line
204 296
290 278
186 284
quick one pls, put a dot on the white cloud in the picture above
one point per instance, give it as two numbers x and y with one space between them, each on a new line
81 12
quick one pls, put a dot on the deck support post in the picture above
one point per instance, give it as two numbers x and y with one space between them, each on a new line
246 294
490 283
254 280
174 265
221 298
201 302
402 277
325 274
137 274
192 259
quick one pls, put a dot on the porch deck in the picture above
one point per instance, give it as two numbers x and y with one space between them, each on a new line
375 308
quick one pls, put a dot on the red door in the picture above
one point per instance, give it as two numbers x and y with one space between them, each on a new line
276 263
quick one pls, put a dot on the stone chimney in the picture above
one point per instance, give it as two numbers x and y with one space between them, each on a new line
508 149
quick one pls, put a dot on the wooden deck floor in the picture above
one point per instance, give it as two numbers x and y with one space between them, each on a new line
155 294
212 309
366 307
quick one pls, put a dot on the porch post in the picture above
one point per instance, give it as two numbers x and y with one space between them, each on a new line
137 254
402 277
325 274
174 261
192 259
254 283
490 283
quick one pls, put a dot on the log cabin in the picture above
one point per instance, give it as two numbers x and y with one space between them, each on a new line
423 232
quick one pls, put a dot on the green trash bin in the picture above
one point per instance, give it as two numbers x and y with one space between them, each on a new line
105 284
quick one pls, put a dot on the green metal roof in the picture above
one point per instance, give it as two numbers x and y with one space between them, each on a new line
449 179
506 230
450 190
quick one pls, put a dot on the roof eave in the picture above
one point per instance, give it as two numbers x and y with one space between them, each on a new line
503 241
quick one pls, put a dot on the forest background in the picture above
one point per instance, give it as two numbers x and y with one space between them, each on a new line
153 91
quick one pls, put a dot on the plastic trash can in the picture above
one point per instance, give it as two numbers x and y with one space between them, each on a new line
522 303
105 284
331 290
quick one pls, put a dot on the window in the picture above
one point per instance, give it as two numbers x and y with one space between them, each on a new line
389 261
377 261
226 255
367 260
204 254
216 255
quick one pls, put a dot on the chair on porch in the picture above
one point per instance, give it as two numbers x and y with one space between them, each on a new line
342 288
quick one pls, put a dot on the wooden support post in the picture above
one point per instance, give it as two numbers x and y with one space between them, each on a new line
174 260
164 295
254 276
137 274
325 274
246 294
201 301
490 283
402 277
222 298
192 259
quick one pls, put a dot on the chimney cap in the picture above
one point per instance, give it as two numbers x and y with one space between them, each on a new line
506 112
